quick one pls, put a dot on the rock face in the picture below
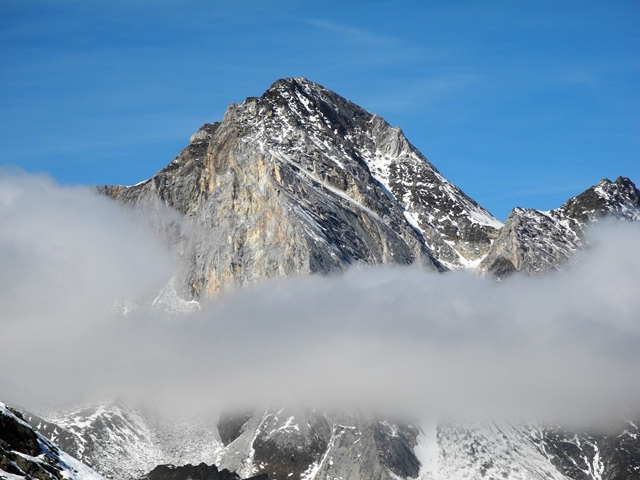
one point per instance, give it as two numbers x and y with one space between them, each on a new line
620 199
532 241
300 181
24 453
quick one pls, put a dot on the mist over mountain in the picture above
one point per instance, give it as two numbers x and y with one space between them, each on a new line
191 296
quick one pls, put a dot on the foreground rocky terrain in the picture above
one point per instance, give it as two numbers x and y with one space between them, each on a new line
194 472
302 181
283 443
24 453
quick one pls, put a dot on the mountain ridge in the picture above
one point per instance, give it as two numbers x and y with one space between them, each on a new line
301 181
534 241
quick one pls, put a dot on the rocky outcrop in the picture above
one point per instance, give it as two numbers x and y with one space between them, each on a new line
454 226
24 453
533 241
125 443
194 472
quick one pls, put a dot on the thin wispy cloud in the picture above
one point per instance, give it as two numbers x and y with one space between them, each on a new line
429 93
356 48
579 77
355 34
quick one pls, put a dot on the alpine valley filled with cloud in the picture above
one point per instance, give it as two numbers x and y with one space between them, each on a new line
301 294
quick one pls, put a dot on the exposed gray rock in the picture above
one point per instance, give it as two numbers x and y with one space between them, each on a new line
123 441
313 445
24 453
533 241
611 454
300 444
620 199
230 426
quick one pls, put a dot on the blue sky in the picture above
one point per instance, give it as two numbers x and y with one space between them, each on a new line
517 103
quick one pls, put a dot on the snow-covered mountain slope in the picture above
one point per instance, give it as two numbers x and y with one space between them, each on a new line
300 444
612 454
25 454
620 199
533 241
483 450
124 442
527 452
315 446
454 226
301 180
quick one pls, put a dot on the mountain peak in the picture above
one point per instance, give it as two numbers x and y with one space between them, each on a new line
302 180
300 84
293 82
620 199
533 241
625 181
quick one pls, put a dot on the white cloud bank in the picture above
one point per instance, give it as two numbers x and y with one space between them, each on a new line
560 346
66 254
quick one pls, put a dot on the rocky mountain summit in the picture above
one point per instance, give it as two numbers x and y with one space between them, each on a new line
299 181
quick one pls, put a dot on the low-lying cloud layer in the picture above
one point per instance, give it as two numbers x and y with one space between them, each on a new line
561 346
